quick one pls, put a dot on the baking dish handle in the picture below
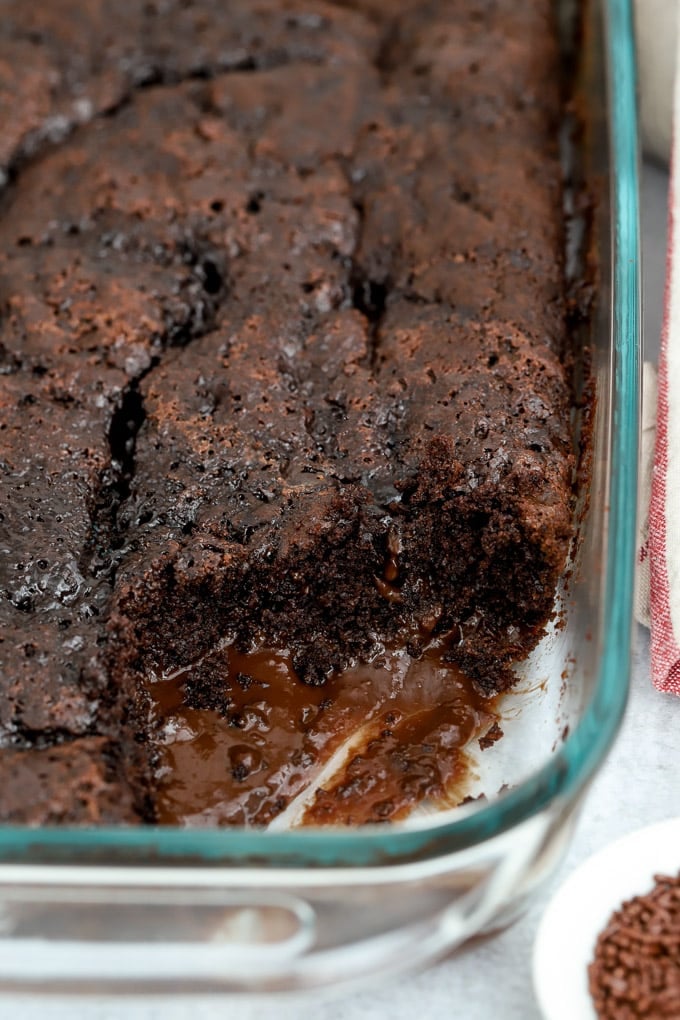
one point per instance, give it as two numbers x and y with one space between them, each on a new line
130 931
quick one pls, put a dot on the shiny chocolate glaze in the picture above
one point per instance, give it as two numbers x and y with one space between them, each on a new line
241 738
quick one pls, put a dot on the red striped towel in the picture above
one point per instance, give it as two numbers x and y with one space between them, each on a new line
664 511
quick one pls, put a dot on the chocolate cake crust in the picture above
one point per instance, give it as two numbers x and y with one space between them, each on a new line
283 346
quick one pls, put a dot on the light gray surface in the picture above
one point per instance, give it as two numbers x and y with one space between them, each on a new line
637 786
653 201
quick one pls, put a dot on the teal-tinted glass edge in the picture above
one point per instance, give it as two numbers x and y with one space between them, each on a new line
575 763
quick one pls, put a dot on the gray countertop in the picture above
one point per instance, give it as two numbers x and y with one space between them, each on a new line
637 786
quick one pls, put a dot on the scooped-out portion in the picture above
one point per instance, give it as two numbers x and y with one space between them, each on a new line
244 742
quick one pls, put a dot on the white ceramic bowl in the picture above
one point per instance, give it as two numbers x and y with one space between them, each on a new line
581 908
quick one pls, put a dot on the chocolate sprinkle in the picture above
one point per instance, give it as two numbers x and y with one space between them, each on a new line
636 967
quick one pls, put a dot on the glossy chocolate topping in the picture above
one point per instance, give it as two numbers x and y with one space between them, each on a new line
242 739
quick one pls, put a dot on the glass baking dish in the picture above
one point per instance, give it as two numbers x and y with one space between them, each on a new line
168 910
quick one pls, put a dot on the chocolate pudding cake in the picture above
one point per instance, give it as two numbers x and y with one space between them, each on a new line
286 450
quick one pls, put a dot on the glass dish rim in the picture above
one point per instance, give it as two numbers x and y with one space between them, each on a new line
576 761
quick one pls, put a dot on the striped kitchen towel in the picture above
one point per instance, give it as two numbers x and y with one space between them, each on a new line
664 511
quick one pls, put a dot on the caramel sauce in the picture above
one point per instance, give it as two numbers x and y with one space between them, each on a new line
373 742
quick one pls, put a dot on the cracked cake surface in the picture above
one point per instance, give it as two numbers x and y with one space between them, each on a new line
283 343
